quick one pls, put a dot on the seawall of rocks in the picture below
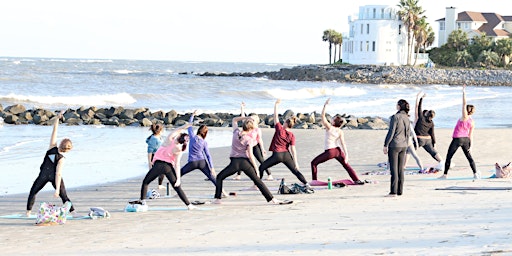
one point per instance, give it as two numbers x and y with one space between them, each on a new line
371 74
119 116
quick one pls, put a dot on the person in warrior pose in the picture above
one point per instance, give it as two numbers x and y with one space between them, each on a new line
462 137
167 161
282 143
51 168
334 147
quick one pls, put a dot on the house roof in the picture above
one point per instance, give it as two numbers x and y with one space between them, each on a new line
490 22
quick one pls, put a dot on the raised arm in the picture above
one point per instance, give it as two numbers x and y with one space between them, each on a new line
177 169
464 108
53 139
417 108
191 121
276 117
326 123
242 109
343 145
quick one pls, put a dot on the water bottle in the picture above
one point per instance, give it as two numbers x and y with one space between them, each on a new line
329 183
167 194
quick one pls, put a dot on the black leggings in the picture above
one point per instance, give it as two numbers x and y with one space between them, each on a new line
286 159
39 184
161 167
465 144
201 165
258 153
241 163
161 176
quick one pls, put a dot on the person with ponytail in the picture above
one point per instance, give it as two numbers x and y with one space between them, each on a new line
154 141
198 154
424 129
334 147
462 137
167 161
283 147
395 146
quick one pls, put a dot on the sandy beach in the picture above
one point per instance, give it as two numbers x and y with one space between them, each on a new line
353 220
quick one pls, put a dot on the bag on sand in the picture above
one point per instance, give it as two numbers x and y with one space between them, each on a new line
50 214
503 171
99 213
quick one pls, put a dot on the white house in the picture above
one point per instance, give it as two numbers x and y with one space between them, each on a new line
377 37
474 23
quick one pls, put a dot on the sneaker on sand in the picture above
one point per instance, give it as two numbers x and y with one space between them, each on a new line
477 175
443 177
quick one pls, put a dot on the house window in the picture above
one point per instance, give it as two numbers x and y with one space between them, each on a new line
373 46
361 46
382 13
362 29
367 28
367 46
441 26
458 25
374 13
399 29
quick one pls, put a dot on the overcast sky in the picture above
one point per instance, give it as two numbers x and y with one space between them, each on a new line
266 31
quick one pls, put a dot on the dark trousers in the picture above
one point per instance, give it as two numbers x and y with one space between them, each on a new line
258 154
161 167
286 159
201 165
241 163
39 184
328 154
465 144
396 158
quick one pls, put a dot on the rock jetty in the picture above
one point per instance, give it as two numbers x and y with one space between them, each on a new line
372 74
119 116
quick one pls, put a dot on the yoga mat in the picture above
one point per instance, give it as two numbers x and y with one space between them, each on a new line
455 178
474 188
324 183
199 208
33 217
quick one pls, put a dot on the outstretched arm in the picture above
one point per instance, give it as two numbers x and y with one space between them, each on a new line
276 117
177 169
191 121
326 123
294 155
242 109
58 177
417 108
53 139
464 109
177 131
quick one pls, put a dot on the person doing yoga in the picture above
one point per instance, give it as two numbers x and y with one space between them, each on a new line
51 169
334 146
462 137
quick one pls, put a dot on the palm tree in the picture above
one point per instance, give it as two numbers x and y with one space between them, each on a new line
504 49
409 13
420 35
338 41
328 37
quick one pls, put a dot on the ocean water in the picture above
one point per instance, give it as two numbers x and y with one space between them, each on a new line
104 154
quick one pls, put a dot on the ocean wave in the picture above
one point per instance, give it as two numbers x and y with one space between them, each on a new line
118 99
308 93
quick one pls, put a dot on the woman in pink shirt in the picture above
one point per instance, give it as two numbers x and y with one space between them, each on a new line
167 161
462 137
282 143
334 147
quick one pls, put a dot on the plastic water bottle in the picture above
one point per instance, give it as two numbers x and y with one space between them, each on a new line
329 183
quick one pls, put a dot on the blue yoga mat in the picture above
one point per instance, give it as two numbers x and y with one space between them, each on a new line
456 178
199 208
474 188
